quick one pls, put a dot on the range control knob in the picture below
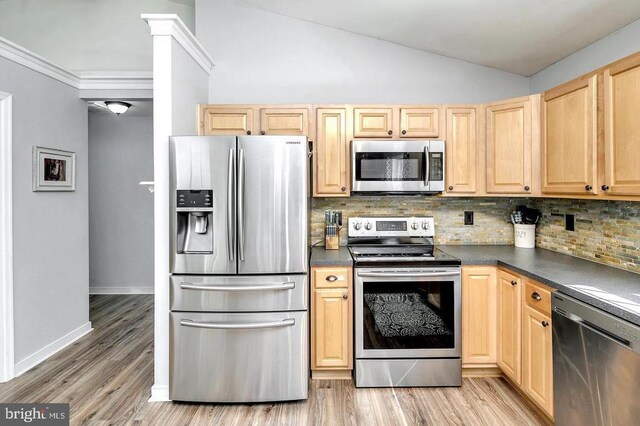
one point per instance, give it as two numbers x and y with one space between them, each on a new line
414 226
357 226
425 225
367 226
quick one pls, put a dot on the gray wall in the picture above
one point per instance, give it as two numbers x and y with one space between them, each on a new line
120 210
615 46
50 230
262 57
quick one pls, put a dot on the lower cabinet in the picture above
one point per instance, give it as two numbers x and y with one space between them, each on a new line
331 322
506 324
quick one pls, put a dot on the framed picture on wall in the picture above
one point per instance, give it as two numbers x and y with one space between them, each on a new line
53 169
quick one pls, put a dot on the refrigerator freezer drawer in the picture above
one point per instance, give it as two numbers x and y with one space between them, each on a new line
239 293
238 357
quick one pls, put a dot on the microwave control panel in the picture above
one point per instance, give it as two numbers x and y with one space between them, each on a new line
436 166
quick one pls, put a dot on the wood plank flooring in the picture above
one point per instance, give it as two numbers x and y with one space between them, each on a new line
107 375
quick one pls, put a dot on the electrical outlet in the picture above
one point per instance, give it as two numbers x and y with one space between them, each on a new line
569 222
468 218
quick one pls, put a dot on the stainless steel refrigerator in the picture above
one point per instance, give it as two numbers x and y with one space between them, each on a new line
239 260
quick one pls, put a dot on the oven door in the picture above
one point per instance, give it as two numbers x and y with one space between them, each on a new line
408 312
390 166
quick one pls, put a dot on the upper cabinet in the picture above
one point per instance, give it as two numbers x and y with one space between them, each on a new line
220 120
622 127
569 138
331 154
419 122
373 123
284 121
461 150
510 132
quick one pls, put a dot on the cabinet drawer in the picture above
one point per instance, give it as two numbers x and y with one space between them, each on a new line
538 297
331 277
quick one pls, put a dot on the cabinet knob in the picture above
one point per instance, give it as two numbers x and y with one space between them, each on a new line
536 296
390 132
526 188
404 132
345 296
588 187
331 278
248 132
262 132
545 323
450 188
344 188
514 282
605 187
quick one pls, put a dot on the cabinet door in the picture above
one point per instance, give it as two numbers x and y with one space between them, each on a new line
479 328
569 138
509 325
622 127
284 121
538 359
419 122
331 154
373 122
461 150
509 147
225 121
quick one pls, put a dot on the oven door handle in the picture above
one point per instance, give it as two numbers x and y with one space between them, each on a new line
408 274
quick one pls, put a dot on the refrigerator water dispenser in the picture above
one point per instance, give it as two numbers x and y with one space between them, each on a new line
194 219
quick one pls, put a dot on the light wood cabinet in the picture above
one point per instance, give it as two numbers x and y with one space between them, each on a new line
331 154
214 120
373 122
479 328
569 138
331 322
537 358
622 127
509 146
461 151
284 121
509 325
419 122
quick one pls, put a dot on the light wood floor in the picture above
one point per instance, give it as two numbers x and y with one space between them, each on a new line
106 377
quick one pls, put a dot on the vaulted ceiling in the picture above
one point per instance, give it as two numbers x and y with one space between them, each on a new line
520 36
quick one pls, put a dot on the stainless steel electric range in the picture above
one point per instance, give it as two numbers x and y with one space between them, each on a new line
407 304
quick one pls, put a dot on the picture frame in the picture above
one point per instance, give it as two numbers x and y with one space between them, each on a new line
53 169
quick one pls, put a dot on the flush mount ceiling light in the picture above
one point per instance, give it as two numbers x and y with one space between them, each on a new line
117 107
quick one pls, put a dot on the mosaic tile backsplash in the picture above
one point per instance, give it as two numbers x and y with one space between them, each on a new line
605 231
491 216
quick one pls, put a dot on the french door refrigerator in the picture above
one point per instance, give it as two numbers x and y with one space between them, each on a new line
239 260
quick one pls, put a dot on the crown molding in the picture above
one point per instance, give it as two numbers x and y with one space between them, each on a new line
172 25
116 80
27 58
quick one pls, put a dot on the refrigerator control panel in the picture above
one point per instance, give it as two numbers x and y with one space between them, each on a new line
188 198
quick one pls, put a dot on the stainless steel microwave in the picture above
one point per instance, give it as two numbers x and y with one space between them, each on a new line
397 167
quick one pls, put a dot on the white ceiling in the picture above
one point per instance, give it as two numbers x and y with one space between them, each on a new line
520 36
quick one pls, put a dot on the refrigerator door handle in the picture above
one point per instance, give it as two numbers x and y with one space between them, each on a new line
231 214
289 285
238 326
241 204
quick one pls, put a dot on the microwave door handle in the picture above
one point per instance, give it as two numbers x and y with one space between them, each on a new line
426 166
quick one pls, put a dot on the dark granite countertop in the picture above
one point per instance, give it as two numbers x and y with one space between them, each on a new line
322 257
613 290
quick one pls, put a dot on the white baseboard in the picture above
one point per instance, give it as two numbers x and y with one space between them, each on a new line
52 348
120 290
159 393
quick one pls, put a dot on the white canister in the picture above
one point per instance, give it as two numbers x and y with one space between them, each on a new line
525 235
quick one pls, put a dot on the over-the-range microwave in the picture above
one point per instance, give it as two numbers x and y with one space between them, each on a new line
397 166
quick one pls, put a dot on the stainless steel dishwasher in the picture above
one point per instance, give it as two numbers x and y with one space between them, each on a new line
596 366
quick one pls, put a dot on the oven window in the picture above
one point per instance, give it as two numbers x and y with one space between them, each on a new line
385 166
408 315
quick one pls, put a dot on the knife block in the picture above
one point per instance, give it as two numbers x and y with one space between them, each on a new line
332 242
